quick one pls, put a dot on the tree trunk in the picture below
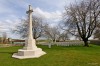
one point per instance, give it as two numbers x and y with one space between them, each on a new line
86 42
53 40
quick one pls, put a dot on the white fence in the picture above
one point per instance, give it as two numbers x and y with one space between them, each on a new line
69 43
74 43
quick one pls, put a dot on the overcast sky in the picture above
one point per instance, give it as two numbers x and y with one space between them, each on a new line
11 11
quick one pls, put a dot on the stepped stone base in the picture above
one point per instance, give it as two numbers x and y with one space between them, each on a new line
22 54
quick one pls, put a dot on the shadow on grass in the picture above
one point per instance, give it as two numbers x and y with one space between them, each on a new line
7 53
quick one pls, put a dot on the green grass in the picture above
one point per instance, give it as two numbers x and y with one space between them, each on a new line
56 56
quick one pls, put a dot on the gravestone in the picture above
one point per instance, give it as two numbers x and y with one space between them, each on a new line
30 50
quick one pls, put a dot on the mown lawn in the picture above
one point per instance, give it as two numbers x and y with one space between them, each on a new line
56 56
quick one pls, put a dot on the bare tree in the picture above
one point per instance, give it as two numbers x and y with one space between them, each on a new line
83 18
63 36
51 32
22 28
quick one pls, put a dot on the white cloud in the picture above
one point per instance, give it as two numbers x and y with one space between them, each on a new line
9 23
53 18
11 18
47 15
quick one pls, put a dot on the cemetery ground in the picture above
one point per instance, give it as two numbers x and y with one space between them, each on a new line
56 56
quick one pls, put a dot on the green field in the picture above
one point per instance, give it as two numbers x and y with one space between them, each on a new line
56 56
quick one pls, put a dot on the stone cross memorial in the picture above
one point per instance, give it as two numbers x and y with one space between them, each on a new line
30 50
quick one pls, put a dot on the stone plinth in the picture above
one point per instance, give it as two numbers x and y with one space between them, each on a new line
22 54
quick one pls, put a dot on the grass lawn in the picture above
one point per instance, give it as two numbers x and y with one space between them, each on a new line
56 56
